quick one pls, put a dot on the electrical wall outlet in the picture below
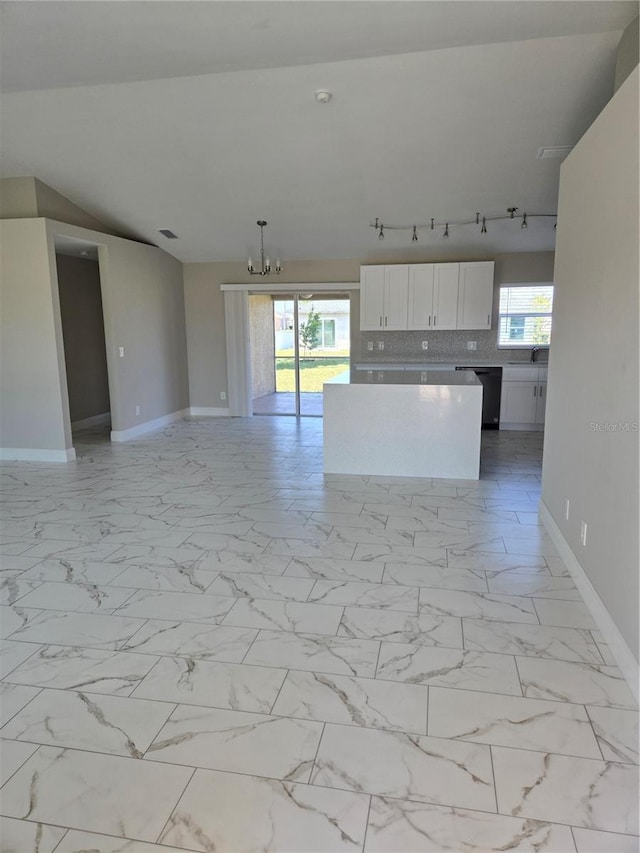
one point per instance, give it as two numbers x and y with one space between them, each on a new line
566 512
583 533
121 352
425 344
472 344
380 344
370 346
223 395
137 410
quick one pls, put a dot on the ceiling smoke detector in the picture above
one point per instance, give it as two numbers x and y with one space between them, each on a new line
322 96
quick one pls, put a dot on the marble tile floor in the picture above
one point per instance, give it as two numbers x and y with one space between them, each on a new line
208 645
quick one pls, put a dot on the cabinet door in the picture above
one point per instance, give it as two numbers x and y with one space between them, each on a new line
475 295
372 297
518 403
420 296
445 296
396 296
541 402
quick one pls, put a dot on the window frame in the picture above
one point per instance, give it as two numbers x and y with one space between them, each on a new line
533 314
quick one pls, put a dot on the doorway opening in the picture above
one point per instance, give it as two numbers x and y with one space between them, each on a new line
83 335
299 341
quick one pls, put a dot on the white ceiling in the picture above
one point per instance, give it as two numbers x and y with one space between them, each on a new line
200 117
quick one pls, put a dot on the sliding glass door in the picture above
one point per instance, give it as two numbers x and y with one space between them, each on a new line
298 342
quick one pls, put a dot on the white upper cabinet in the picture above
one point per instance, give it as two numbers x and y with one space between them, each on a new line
371 297
396 296
475 295
384 293
445 296
420 313
429 297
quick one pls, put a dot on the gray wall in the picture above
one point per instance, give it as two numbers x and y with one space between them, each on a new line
29 198
33 386
83 334
628 53
593 370
143 305
262 345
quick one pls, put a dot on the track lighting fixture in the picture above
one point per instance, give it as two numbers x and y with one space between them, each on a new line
432 225
265 263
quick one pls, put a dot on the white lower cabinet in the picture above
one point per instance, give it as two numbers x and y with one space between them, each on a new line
524 398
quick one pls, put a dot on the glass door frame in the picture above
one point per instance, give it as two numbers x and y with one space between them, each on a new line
236 311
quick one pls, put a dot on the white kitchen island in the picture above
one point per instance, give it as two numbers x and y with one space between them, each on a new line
403 423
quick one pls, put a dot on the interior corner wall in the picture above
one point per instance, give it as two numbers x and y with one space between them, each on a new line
83 334
33 415
591 438
144 314
52 205
18 199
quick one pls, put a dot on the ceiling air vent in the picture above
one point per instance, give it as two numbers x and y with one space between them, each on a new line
554 152
167 233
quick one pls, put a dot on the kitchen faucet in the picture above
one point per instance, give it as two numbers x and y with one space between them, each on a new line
534 352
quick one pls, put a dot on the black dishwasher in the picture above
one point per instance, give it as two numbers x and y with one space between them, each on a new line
491 378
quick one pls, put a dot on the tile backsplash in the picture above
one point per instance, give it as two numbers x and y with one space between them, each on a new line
445 346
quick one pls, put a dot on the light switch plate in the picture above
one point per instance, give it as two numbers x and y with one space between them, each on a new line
425 344
370 346
472 345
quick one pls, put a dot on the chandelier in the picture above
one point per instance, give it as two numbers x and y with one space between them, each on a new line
512 213
265 263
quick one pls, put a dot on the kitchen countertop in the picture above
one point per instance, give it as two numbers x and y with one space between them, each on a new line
444 365
395 376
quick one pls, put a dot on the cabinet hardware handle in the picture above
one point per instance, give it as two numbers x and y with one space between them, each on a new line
488 319
385 321
435 319
429 319
381 322
541 390
535 390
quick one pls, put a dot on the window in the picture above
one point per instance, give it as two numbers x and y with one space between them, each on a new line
328 333
525 315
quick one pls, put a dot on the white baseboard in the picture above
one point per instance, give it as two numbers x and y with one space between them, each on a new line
148 426
94 421
204 412
623 655
34 454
